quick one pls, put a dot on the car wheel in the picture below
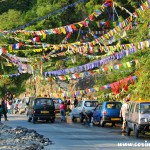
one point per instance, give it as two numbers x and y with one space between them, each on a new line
47 120
136 131
29 118
81 118
53 120
128 130
102 123
73 118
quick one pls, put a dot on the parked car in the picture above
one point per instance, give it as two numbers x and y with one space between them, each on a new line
41 109
107 112
89 105
138 117
57 102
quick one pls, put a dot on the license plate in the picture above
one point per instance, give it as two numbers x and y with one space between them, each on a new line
44 112
115 118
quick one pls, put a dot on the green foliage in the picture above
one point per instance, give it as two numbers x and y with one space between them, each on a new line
16 13
10 19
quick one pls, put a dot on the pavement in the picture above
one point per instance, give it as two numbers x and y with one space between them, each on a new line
74 136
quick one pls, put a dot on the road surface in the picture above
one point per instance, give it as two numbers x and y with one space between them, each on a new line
74 136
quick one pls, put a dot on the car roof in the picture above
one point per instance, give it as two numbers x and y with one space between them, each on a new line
90 100
140 101
43 98
111 102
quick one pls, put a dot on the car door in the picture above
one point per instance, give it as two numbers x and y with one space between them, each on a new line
30 108
136 113
131 117
79 108
75 110
97 113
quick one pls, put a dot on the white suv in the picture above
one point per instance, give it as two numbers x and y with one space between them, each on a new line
89 105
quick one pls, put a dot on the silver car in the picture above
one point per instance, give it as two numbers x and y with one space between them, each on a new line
138 117
88 105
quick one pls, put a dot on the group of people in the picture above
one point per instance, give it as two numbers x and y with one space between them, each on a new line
65 106
3 109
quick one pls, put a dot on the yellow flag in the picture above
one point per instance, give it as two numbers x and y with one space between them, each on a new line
114 24
68 77
10 47
146 44
128 64
80 24
63 30
96 89
97 22
97 70
138 46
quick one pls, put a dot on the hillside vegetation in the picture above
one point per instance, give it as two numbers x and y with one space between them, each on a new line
28 15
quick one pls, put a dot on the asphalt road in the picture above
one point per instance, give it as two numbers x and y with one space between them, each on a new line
74 136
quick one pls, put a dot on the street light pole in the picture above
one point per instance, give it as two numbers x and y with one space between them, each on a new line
34 83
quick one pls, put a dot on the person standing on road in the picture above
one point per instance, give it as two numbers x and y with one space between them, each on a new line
65 103
68 105
26 99
62 111
75 102
5 110
123 113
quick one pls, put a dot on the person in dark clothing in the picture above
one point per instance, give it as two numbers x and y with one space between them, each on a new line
4 106
65 103
75 102
68 105
1 111
87 115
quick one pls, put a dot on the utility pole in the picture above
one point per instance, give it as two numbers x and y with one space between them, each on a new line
34 83
113 7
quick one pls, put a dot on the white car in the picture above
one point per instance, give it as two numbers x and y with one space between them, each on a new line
89 105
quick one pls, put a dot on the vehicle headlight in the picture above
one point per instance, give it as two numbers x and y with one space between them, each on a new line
144 119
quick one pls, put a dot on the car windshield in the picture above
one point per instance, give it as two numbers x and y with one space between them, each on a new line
145 108
57 101
90 103
43 102
113 105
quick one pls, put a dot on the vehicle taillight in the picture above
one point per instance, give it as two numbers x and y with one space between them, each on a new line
104 112
54 111
34 111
